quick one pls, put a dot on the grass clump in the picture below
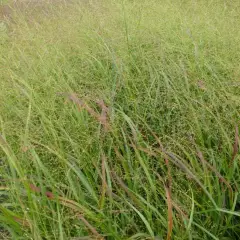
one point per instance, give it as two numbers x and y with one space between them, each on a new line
119 120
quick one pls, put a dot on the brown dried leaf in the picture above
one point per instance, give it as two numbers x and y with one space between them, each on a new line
201 84
34 188
83 105
235 146
21 221
103 118
104 182
25 148
170 212
49 195
91 228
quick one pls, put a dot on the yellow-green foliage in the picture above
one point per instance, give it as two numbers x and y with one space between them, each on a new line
119 119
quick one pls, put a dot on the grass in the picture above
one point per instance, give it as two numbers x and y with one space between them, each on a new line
119 120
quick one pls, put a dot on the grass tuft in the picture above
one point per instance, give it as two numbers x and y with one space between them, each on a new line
119 119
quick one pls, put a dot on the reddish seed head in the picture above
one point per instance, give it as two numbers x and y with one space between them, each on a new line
49 195
34 188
